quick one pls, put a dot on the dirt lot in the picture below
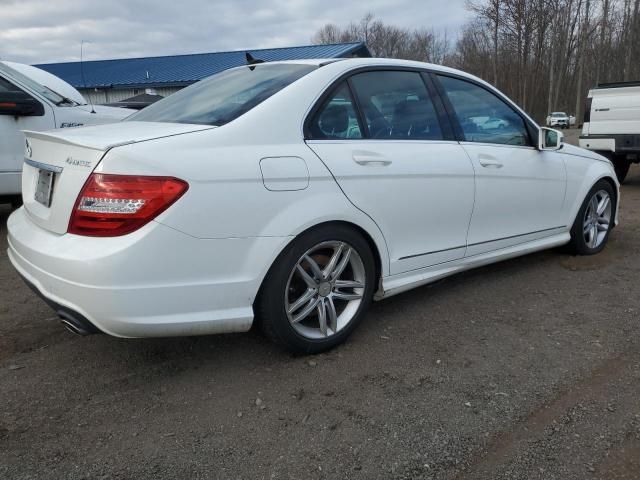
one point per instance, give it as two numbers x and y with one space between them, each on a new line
528 369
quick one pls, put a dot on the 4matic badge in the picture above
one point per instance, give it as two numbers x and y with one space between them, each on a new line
78 163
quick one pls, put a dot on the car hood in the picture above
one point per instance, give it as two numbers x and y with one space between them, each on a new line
104 137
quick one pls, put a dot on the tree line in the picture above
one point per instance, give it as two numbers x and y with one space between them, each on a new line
544 54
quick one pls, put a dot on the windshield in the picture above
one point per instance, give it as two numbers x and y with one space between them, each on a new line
223 97
558 114
46 92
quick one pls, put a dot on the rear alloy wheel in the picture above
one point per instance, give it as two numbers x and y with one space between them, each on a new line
316 292
595 220
322 296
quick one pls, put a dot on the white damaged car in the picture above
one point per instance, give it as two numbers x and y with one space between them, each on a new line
292 194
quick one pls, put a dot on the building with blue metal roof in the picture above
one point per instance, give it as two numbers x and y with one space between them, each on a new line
105 81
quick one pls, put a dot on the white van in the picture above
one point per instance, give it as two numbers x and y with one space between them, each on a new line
32 99
612 124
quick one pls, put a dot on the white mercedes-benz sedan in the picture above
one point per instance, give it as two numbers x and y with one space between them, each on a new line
292 194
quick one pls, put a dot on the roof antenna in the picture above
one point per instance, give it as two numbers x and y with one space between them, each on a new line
84 83
251 60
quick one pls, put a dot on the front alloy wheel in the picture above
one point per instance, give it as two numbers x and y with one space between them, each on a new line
595 219
317 290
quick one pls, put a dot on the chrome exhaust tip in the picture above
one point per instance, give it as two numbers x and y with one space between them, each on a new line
72 325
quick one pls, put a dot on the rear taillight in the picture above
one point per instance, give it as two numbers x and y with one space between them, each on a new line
113 205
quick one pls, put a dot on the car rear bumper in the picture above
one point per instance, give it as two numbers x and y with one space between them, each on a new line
72 320
154 282
621 143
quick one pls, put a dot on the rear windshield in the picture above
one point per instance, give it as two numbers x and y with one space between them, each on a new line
223 97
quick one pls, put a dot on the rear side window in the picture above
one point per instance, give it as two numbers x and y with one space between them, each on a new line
483 116
337 118
223 97
396 106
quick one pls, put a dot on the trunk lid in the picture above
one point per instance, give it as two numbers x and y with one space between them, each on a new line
61 161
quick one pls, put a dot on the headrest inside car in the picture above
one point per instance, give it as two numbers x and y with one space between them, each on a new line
334 120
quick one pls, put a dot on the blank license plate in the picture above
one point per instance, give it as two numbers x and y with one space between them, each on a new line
44 187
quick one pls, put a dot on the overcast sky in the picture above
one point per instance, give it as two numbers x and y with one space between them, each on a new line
42 31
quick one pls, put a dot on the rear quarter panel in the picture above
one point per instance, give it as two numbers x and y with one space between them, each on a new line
227 197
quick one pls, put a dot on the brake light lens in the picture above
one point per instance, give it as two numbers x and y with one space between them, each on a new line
114 205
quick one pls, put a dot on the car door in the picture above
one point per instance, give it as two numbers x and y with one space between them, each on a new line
520 190
383 137
12 140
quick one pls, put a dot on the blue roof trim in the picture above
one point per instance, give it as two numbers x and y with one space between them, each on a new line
181 70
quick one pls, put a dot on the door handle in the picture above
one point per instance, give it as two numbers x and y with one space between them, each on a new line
370 159
491 164
489 161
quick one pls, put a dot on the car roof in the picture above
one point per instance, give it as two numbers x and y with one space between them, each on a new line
348 63
334 67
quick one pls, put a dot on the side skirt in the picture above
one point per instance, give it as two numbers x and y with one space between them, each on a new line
395 284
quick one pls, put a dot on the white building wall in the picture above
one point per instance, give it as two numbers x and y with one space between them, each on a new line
109 95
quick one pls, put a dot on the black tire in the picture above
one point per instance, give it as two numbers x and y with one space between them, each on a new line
578 244
270 303
621 166
16 202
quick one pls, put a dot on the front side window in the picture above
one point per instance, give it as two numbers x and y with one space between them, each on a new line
396 106
222 98
483 116
337 118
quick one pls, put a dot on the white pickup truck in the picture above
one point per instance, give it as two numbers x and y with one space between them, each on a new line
612 124
32 99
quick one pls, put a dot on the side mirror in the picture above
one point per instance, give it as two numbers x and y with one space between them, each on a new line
550 139
20 104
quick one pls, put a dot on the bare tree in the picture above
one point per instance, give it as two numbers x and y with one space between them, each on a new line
545 54
550 52
386 40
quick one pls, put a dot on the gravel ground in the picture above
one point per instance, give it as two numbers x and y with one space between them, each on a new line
527 369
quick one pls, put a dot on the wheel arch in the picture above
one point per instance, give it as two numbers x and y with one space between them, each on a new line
586 188
614 184
583 174
380 259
